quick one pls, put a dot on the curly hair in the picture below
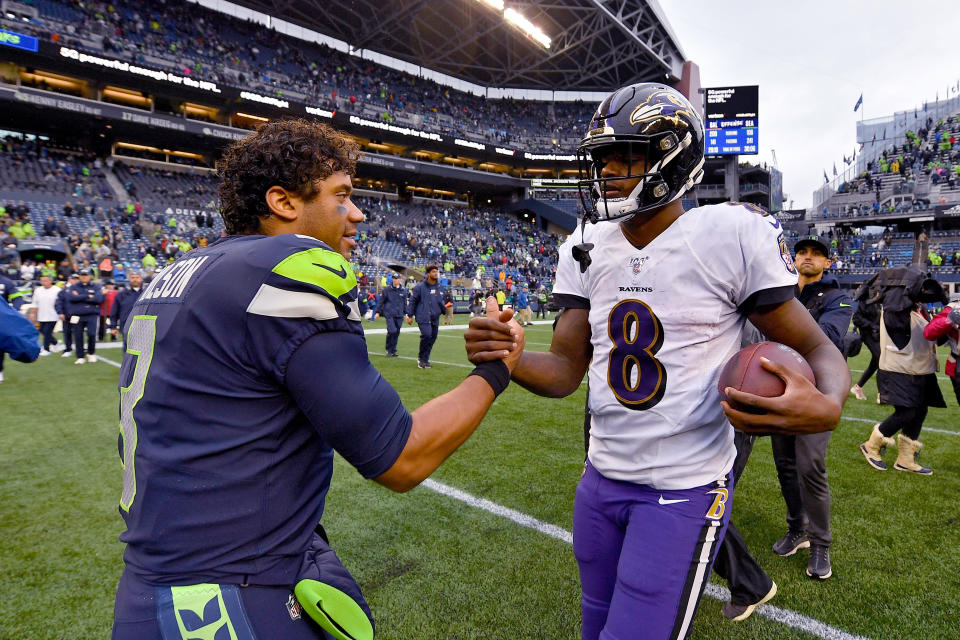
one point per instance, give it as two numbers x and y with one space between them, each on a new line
293 154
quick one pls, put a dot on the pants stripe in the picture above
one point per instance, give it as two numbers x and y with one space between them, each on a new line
696 580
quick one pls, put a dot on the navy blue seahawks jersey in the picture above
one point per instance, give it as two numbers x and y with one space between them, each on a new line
246 367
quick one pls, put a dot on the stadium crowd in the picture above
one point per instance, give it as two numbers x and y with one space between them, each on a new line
208 45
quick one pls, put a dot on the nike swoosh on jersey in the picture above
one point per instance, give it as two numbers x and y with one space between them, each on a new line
841 304
342 272
662 501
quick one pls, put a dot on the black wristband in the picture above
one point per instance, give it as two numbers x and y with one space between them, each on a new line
495 372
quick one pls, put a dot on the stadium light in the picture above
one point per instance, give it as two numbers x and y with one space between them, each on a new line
513 16
517 19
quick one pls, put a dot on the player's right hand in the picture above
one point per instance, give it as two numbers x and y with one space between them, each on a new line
495 336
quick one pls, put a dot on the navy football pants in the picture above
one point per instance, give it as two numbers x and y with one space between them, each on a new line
148 612
90 324
393 332
428 335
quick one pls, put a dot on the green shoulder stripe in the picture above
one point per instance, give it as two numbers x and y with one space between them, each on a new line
321 268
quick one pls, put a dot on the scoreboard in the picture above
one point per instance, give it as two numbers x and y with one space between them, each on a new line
731 121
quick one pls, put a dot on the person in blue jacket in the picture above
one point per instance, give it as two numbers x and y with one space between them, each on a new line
7 287
426 305
84 300
393 304
18 336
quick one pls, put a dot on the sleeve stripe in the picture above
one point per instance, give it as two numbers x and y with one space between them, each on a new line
775 295
570 301
280 303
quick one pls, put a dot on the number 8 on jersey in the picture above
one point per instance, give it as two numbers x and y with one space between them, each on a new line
638 380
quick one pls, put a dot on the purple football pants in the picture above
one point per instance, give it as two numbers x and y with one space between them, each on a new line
645 555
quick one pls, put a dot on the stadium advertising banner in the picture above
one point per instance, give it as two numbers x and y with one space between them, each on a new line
18 41
86 107
731 120
947 211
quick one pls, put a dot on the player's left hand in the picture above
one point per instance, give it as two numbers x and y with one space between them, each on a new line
802 409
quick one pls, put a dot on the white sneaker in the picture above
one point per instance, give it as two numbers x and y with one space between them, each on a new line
57 348
66 354
91 358
79 361
44 352
1 376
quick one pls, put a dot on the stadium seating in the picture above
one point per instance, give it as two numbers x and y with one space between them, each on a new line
171 216
26 166
250 56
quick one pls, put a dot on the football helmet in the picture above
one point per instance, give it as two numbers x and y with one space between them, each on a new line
656 133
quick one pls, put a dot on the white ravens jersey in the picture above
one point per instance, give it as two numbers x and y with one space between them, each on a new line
664 319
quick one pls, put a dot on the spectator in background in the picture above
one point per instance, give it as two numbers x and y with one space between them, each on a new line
945 325
908 380
393 304
18 337
106 268
866 319
447 306
45 299
64 309
85 298
123 304
149 262
542 298
109 295
522 305
801 460
7 287
27 270
426 306
476 302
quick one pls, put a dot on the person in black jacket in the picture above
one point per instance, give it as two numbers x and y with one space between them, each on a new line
84 300
426 305
123 304
801 460
63 309
392 306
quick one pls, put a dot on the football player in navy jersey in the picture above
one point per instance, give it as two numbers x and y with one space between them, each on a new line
654 301
246 368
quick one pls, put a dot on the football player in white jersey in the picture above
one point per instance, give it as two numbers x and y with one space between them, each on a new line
654 301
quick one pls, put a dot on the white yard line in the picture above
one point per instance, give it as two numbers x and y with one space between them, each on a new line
783 616
953 433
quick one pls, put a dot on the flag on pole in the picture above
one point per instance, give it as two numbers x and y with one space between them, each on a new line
859 102
825 178
834 169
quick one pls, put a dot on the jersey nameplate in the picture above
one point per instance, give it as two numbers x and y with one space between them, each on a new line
173 281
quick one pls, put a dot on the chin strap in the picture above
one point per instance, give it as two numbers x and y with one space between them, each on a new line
581 252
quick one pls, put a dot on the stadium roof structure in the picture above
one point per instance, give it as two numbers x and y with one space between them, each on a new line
597 45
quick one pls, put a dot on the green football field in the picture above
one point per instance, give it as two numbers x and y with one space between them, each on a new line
436 566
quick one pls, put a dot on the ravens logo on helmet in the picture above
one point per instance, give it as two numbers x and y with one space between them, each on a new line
651 127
